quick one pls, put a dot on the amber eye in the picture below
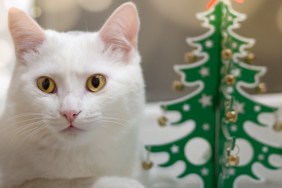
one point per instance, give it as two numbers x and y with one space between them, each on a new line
96 82
46 84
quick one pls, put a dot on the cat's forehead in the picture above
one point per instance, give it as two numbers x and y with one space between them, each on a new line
72 50
72 40
72 54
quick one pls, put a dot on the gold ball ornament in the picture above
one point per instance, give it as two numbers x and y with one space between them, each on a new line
261 88
250 58
162 121
226 54
190 57
147 165
229 79
178 86
231 116
278 126
233 160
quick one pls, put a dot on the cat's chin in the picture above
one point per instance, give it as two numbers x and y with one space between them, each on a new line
75 136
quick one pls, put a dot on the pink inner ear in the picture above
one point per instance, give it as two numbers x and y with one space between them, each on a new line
26 33
121 29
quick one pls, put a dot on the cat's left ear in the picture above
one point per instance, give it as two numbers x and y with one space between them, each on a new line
120 32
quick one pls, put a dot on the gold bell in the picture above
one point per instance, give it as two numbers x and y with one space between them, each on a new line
231 116
178 86
261 88
147 165
226 54
190 57
278 126
250 58
162 121
233 160
229 79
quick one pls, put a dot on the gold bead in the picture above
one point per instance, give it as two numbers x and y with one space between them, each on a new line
162 121
233 160
190 57
147 165
231 116
178 86
261 88
278 126
229 79
250 58
226 54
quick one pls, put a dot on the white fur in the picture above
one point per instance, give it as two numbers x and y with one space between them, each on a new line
34 153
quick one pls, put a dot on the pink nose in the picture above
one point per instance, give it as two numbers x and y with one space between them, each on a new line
70 115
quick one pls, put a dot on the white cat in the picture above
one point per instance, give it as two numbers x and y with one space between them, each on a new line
74 105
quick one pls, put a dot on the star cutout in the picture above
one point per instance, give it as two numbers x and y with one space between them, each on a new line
224 34
204 72
239 107
174 149
234 128
205 100
209 44
205 171
261 157
265 149
236 72
206 127
231 171
224 90
229 90
234 45
212 17
257 108
186 107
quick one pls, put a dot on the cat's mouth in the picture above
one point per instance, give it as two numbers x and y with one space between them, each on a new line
71 128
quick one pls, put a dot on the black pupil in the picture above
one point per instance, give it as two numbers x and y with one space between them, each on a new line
95 81
46 83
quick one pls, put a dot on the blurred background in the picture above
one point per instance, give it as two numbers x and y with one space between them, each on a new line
165 25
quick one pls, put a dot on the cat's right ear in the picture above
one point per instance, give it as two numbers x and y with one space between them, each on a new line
26 33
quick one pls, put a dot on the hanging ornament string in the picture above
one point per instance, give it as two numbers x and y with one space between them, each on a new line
213 2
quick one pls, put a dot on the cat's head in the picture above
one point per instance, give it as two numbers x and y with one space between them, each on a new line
76 86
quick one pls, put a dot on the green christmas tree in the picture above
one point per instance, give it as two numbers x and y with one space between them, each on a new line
219 106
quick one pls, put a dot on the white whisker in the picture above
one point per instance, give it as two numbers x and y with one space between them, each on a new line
114 122
23 132
24 115
114 118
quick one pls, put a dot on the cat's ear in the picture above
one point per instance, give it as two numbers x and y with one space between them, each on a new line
26 33
120 32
